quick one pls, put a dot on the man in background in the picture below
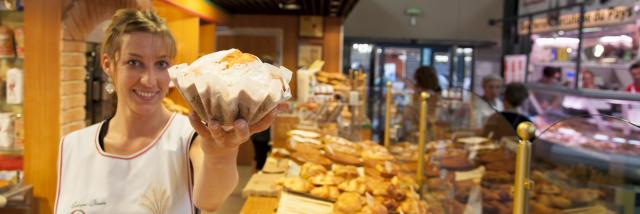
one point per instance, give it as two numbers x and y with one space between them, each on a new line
634 70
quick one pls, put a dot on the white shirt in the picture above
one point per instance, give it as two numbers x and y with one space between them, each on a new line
155 180
484 110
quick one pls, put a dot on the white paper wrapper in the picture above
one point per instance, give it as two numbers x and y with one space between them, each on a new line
216 91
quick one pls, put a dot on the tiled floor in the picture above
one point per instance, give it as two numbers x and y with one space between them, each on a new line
235 201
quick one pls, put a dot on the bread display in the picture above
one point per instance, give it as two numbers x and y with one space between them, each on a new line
228 85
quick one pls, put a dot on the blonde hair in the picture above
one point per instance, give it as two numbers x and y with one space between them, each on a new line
126 21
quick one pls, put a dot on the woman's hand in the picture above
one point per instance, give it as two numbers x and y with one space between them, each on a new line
218 142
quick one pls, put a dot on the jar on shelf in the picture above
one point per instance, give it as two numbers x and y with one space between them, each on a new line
19 37
7 133
6 43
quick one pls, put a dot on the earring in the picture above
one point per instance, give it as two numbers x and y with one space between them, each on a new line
109 87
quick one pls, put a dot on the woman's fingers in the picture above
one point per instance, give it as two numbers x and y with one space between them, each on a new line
241 131
264 123
197 124
216 131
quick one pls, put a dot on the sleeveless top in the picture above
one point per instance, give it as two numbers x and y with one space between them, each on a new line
156 180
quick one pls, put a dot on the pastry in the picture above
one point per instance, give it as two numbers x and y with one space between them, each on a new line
506 165
326 179
297 184
374 153
404 181
345 148
388 169
326 192
349 202
354 185
304 134
456 163
490 195
302 157
345 171
560 202
251 88
583 195
305 148
389 203
437 184
413 206
309 170
497 177
374 208
344 158
538 208
547 189
378 188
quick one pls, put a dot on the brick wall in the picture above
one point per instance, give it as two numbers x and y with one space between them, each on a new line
73 87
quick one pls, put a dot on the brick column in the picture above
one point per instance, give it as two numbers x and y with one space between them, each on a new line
73 86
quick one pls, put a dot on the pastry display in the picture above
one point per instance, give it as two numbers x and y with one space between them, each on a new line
326 192
251 88
309 170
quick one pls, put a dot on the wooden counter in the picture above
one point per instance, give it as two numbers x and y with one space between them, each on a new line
260 205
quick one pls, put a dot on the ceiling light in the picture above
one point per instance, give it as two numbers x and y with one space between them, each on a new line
289 5
598 50
335 3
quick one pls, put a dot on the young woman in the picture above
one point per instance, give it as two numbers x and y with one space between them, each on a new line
146 159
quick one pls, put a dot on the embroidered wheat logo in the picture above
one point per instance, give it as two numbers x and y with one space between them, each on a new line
155 199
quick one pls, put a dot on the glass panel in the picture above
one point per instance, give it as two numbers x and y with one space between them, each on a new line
469 159
579 165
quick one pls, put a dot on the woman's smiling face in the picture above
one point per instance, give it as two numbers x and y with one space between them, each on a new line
139 72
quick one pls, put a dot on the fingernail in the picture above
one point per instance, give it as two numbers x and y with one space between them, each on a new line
214 125
240 123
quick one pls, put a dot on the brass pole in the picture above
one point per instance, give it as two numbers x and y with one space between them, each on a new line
422 136
523 184
387 120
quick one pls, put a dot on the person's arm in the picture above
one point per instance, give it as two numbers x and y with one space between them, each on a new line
213 155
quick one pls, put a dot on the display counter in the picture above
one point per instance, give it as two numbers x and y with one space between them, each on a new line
576 166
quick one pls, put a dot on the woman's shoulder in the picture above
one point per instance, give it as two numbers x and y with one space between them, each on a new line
84 132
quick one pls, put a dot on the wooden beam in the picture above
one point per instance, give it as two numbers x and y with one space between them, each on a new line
42 70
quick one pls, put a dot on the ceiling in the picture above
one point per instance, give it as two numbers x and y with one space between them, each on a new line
338 8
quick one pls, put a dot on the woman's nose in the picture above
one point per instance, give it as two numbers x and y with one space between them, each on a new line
148 78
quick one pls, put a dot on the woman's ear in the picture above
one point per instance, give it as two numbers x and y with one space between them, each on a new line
107 67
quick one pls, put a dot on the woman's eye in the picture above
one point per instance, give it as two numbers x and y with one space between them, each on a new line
134 63
162 64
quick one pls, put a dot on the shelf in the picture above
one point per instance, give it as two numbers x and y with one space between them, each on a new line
17 152
588 93
564 154
617 66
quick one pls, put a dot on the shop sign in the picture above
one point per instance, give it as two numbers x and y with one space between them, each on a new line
600 17
514 68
